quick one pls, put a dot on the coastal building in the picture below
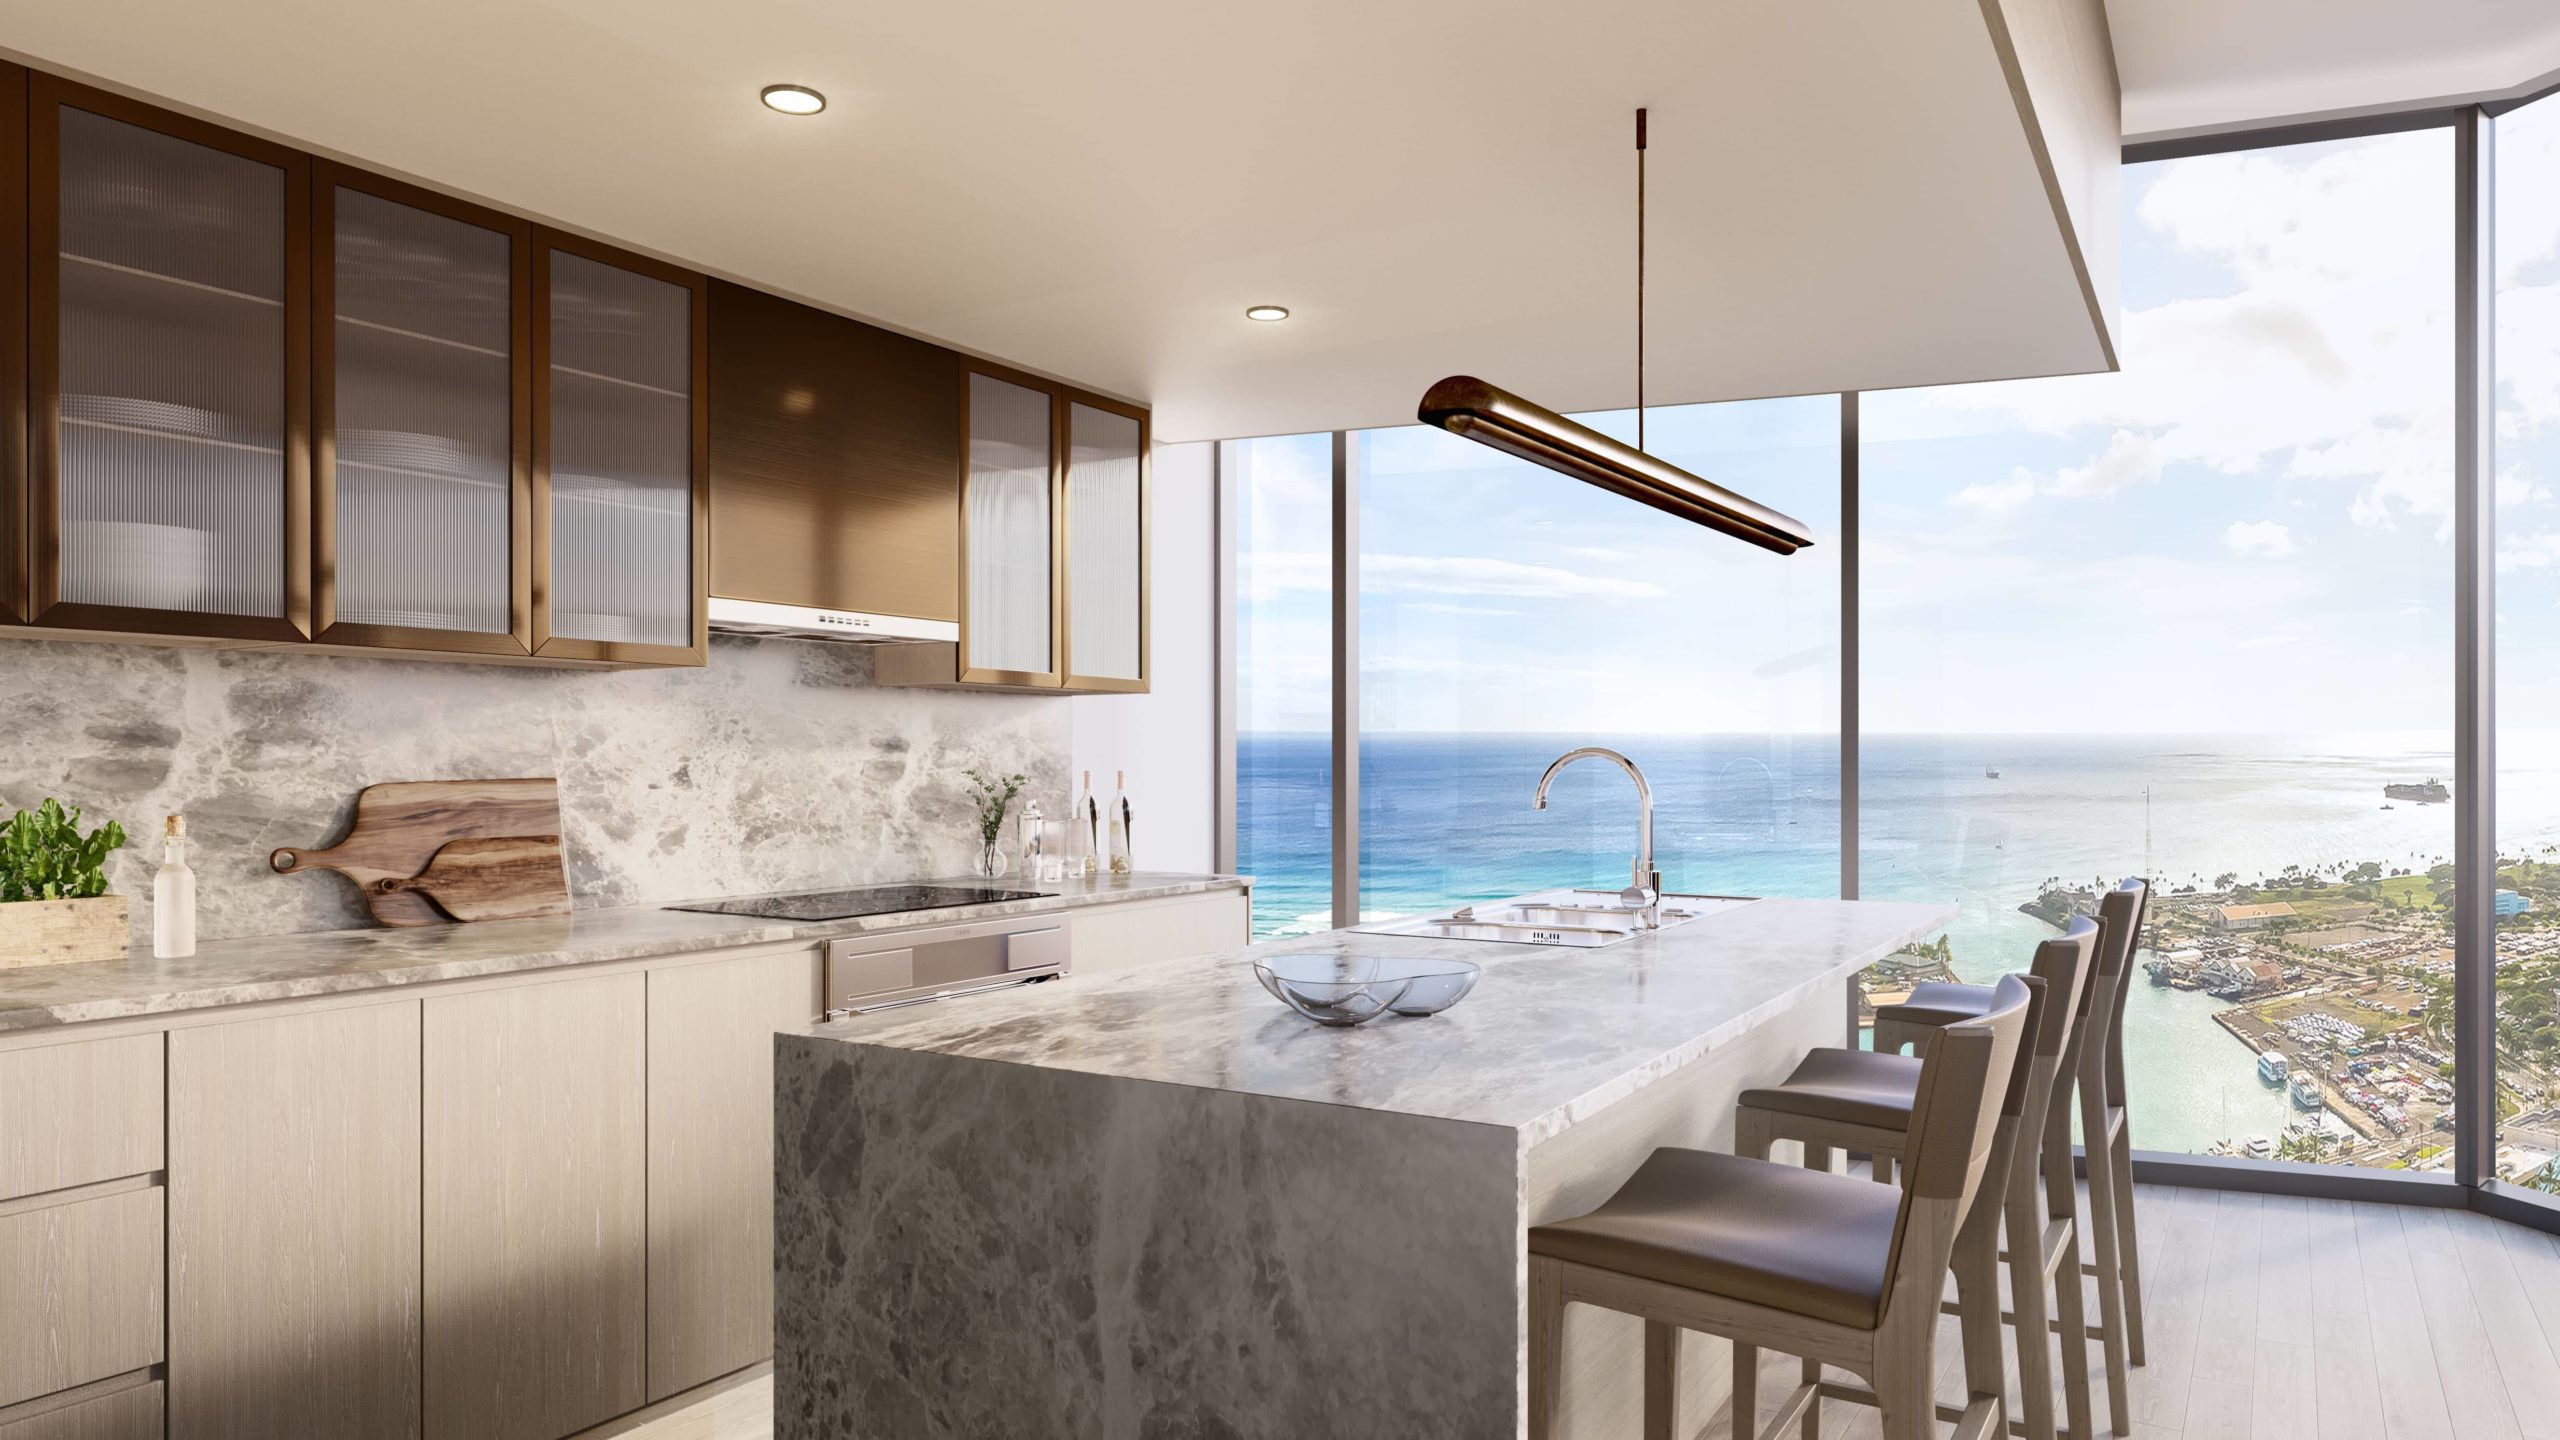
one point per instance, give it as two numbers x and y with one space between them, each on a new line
2250 917
2509 903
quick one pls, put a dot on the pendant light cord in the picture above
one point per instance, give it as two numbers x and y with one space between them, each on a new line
1639 278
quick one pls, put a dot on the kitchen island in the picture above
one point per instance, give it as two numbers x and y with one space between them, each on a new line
1160 1204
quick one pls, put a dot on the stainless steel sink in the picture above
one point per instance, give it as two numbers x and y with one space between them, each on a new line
1581 919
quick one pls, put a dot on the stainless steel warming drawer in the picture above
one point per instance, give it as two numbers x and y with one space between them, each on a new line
904 967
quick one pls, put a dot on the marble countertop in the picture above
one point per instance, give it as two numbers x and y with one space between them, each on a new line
1548 1036
332 962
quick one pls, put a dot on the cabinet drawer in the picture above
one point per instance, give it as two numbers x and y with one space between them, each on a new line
77 1114
129 1414
80 1292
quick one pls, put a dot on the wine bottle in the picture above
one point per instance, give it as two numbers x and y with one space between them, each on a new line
1120 823
173 896
1087 824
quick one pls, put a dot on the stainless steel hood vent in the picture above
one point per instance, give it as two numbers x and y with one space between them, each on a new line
808 622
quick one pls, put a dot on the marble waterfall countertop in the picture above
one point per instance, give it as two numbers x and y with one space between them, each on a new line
333 962
1548 1036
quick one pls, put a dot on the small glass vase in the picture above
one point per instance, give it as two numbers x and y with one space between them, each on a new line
990 862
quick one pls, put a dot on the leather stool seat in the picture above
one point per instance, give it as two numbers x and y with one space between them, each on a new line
1939 1002
1854 1087
1802 1241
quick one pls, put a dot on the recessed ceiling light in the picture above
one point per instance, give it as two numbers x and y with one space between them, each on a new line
1266 312
794 99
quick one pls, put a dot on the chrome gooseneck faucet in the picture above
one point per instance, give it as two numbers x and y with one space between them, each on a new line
1644 895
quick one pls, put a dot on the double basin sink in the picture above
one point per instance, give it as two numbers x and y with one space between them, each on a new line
1583 919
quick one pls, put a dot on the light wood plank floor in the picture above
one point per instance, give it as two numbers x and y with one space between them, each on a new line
2271 1318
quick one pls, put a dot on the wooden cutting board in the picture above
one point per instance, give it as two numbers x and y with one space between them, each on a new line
399 827
513 878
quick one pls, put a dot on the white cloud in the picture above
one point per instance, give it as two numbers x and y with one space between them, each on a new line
2267 539
1268 575
2000 497
2131 458
2529 552
1479 575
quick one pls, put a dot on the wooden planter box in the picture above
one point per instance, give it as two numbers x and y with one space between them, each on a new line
62 932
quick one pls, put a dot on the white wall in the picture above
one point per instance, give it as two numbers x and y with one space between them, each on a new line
1165 738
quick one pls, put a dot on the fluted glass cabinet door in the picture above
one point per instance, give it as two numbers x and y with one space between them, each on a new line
168 371
1008 624
1106 549
419 405
622 464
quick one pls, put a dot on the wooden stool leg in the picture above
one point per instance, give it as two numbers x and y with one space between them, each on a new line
1810 1427
2029 1296
1906 1362
2071 1308
2128 1253
1661 1379
1817 1156
1546 1344
1746 1391
2103 1227
1977 1273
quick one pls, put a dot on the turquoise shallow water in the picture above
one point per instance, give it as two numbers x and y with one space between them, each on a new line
1447 818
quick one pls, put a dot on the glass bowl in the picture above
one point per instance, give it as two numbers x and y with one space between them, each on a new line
1355 989
1330 989
1433 985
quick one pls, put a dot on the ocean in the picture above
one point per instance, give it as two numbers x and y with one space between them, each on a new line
1446 819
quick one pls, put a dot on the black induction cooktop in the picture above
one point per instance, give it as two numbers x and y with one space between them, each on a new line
870 900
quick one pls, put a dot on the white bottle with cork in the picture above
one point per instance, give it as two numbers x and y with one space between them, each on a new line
173 896
1120 823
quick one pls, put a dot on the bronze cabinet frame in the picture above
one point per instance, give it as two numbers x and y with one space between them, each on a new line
1054 676
547 242
47 97
15 569
517 639
1105 684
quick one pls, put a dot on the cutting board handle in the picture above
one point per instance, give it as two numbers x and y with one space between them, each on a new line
286 861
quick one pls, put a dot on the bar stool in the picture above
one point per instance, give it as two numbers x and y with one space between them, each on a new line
1863 1100
2095 1063
1832 1269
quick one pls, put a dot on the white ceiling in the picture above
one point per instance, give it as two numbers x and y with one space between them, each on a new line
1842 191
2202 65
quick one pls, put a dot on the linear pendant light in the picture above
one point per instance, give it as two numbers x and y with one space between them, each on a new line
1489 415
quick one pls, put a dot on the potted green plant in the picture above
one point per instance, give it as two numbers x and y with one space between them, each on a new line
992 795
54 905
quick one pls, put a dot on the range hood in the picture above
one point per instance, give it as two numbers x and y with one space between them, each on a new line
808 622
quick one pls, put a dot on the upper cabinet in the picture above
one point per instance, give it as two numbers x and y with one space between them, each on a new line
1106 544
424 408
622 457
1053 544
1009 535
168 372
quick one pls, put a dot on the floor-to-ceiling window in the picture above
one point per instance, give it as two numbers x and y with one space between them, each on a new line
1282 489
2193 620
1509 614
2527 299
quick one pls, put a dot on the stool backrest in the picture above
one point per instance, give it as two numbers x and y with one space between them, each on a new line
2097 1053
2141 892
1955 1118
2063 964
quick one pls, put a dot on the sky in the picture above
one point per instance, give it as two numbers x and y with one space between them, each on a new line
2245 530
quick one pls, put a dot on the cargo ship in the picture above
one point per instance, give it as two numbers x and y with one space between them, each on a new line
2431 793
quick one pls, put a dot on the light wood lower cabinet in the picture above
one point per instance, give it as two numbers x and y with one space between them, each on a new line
79 1292
293 1226
79 1113
132 1413
535 1212
1107 938
711 1029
